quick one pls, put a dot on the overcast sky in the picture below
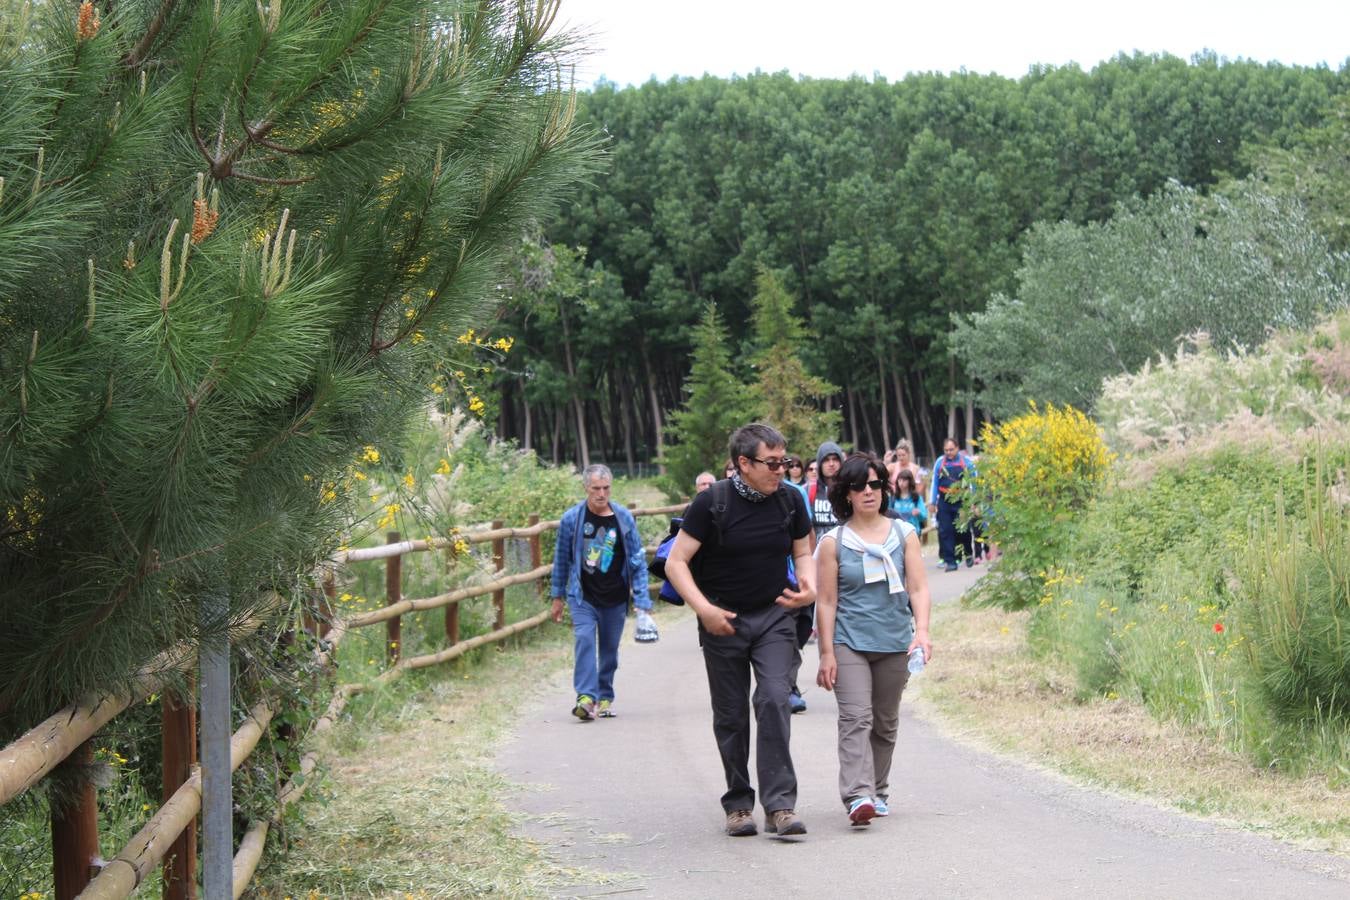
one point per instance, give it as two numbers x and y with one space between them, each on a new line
632 40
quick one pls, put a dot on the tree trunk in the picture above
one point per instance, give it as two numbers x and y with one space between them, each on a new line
527 436
951 399
557 434
885 408
852 415
504 416
626 419
924 411
905 423
970 422
583 449
655 405
868 421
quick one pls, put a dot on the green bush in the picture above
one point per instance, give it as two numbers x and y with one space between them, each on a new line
1037 472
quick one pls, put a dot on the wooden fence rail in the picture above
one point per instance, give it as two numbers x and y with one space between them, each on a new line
36 753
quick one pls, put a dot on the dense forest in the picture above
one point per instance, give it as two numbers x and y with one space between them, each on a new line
884 207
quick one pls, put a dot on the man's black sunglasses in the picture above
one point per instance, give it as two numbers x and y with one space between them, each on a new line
773 464
875 484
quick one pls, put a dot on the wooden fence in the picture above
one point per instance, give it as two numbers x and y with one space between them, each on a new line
168 838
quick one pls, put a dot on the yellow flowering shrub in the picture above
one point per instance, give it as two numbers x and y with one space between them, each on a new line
1035 473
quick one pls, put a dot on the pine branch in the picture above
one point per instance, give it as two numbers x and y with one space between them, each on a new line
137 54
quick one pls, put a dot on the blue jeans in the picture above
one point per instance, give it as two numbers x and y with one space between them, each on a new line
597 631
950 537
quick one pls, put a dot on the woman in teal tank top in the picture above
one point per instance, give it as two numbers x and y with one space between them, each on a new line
872 610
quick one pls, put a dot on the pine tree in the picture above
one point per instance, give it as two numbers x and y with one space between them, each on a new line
716 404
785 393
236 239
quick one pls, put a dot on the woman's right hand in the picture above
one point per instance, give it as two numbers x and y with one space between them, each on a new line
829 670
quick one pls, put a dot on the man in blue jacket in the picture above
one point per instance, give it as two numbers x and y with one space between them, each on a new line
599 564
952 474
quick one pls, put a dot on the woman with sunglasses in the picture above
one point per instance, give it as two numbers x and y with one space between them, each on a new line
871 613
796 475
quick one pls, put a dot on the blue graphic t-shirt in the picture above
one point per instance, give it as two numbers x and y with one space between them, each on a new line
602 561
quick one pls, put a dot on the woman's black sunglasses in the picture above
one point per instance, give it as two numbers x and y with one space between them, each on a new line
875 484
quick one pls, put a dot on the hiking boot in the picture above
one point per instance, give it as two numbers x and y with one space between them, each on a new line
796 702
585 708
783 822
606 709
861 810
741 823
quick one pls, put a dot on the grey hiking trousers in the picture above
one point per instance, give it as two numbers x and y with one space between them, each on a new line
765 642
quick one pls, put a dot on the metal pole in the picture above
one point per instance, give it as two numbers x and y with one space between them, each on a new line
217 812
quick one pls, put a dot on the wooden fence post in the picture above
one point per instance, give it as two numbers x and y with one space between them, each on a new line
499 563
537 557
178 742
325 623
75 833
393 589
451 611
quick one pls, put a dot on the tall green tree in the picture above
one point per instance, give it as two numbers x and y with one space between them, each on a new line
716 404
786 394
235 241
1315 169
1102 299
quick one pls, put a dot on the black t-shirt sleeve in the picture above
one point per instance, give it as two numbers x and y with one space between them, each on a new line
698 517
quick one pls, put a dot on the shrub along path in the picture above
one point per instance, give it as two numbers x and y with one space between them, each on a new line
637 797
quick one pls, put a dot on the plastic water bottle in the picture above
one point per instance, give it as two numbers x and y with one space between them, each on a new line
646 628
916 661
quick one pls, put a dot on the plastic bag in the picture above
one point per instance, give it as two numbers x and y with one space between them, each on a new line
646 628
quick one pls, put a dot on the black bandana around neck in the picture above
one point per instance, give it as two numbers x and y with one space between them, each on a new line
746 490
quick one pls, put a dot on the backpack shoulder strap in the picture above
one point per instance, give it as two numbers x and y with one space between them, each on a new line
721 498
785 504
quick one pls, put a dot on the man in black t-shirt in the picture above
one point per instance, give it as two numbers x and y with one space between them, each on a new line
746 619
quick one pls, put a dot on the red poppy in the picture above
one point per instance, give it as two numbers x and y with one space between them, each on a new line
1218 628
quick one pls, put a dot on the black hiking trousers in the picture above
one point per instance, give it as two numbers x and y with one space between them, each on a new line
765 643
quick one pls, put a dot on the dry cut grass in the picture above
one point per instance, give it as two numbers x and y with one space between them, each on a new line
990 689
410 805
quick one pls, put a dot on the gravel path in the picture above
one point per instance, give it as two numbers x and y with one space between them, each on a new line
637 796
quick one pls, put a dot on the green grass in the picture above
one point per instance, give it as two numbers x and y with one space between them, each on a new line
994 689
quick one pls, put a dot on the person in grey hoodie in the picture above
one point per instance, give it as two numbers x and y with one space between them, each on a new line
828 460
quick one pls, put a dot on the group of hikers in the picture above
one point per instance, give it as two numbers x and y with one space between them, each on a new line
771 556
